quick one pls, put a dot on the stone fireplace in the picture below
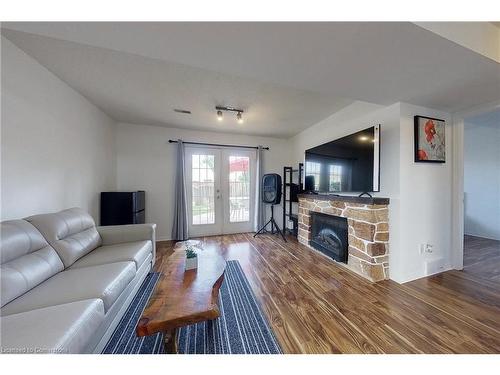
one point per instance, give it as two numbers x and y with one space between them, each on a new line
363 246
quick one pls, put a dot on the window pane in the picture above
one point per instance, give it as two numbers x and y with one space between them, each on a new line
239 189
203 189
335 178
196 161
314 169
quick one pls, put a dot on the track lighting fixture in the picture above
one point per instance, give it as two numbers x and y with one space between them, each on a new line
239 113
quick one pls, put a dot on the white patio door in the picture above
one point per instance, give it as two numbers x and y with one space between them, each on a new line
220 190
238 190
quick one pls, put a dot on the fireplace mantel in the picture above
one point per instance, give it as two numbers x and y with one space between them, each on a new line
368 225
346 198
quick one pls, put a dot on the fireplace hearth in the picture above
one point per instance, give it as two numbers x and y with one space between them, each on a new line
329 234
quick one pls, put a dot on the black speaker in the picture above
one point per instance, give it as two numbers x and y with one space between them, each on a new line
271 194
309 183
271 188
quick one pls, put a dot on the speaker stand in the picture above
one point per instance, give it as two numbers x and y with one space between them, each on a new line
273 224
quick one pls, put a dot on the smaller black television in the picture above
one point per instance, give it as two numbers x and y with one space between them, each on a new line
347 164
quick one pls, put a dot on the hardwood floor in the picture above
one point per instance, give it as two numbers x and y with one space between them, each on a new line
482 258
316 306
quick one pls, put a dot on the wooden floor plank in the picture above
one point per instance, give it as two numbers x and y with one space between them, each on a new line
317 306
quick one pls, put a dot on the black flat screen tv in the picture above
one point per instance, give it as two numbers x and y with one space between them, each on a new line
347 164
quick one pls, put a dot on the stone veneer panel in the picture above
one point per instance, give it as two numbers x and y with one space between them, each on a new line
368 226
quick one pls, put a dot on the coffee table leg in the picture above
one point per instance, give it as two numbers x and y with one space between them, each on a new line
170 341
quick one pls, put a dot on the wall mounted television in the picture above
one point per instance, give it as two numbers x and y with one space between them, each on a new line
347 164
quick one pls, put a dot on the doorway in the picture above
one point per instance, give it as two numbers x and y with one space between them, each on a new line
221 190
481 181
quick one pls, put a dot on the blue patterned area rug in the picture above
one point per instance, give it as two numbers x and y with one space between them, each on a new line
241 329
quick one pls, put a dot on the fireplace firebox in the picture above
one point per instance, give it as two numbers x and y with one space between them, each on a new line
329 234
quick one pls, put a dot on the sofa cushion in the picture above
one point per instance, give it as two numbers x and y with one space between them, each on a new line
135 252
65 328
105 281
26 259
72 233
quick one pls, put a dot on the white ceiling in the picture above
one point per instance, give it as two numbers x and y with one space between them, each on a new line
140 90
294 73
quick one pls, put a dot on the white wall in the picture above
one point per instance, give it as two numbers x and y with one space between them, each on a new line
57 148
358 116
482 179
420 193
425 202
145 160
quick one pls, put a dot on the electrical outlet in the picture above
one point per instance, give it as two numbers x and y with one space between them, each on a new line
426 248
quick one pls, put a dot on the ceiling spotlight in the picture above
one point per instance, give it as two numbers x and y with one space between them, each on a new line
239 113
363 138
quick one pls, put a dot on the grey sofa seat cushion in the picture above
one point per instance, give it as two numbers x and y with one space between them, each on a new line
105 281
26 259
72 233
135 252
65 328
114 234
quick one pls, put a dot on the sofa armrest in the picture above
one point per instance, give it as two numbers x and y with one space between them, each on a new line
114 234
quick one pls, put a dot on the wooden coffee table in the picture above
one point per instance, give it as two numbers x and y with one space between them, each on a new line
183 297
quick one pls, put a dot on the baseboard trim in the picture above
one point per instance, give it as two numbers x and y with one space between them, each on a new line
162 239
414 278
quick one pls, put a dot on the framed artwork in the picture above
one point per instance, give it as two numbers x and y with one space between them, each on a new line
430 146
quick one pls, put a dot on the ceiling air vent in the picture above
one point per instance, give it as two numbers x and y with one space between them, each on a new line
182 111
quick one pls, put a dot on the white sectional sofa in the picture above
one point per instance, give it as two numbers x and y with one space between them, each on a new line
65 283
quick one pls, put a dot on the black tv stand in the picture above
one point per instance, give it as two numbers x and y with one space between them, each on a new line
365 193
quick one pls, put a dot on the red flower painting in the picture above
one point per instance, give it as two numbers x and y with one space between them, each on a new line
422 155
430 130
429 139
